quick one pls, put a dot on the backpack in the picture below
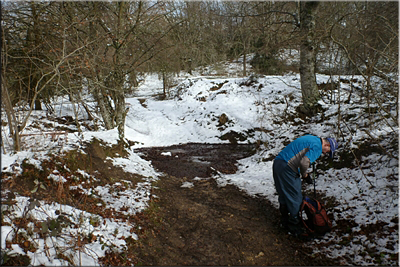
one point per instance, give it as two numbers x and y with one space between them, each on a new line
314 217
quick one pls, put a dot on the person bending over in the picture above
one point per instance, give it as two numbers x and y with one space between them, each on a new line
289 167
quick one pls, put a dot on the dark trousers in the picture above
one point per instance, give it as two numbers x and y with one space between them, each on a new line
288 186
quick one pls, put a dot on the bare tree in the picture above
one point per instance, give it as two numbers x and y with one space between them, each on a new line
46 58
128 34
283 24
240 21
199 38
367 33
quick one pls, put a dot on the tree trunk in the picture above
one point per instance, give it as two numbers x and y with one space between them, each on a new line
8 107
38 104
189 62
164 77
120 113
104 106
308 81
73 102
244 63
12 121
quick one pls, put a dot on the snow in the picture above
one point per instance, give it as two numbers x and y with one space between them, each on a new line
366 194
187 185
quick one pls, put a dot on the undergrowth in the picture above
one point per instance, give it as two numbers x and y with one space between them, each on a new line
64 179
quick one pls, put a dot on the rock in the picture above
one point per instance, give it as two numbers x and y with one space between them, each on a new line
223 119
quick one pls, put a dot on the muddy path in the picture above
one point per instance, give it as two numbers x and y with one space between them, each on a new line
206 224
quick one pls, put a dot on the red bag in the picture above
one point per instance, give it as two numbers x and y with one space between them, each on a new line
314 217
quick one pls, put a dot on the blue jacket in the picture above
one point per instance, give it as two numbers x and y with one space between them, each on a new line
301 152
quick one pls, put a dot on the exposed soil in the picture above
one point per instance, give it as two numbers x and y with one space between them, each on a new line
205 224
208 224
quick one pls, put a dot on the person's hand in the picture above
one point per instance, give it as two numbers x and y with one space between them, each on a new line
308 179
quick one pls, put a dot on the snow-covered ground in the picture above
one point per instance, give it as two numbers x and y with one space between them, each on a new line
367 192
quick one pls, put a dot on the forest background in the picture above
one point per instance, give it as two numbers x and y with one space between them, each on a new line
57 48
98 54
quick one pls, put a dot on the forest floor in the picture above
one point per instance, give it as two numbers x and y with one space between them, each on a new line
204 223
192 219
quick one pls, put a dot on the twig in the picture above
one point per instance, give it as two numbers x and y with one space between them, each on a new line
358 162
383 149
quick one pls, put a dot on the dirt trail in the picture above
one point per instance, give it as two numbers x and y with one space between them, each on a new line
211 225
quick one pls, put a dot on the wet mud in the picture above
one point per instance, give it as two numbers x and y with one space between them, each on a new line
209 224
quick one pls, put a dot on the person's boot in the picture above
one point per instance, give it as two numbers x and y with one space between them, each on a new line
284 216
296 228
